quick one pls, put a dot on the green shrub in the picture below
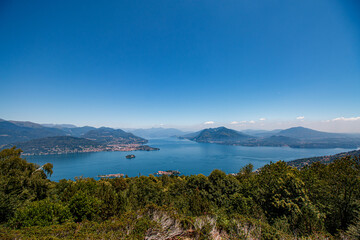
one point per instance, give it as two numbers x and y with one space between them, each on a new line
83 206
41 213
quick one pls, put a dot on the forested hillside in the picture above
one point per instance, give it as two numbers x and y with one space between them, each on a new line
299 163
59 145
278 202
37 139
106 135
11 132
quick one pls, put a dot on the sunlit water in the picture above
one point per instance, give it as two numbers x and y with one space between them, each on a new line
183 155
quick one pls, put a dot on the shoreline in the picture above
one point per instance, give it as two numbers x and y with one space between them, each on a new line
111 149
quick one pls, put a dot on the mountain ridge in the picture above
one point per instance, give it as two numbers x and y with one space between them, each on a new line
11 132
220 134
297 137
37 139
107 135
307 133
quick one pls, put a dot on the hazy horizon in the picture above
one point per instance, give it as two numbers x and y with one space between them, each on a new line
342 124
183 64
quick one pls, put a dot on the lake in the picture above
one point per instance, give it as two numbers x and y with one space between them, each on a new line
175 154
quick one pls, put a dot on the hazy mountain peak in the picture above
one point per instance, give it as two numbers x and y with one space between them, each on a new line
52 125
219 134
307 133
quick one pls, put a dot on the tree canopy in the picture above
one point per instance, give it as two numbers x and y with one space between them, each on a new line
277 201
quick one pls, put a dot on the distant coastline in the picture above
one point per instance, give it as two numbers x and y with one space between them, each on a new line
36 139
302 162
128 148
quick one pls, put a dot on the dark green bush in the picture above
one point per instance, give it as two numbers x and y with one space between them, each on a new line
41 213
83 206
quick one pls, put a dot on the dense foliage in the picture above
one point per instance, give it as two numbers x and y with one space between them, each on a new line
277 202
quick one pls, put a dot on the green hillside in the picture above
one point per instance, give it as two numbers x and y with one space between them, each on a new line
221 134
113 136
299 163
35 138
11 132
58 145
278 202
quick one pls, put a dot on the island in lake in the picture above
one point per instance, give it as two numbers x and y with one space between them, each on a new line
168 173
112 175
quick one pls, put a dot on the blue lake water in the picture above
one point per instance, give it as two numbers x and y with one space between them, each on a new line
183 155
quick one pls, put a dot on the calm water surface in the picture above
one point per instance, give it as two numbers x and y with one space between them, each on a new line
183 155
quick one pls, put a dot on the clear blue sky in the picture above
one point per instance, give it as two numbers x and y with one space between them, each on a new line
179 62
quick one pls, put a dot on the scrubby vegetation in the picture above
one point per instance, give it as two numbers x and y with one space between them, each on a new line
278 202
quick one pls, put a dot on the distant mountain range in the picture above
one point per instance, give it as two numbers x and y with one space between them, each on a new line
61 126
157 132
35 138
11 131
106 135
307 133
77 131
48 136
297 137
261 133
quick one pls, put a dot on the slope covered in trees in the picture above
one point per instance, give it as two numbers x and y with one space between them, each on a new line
106 135
278 202
11 132
299 163
34 138
59 145
220 135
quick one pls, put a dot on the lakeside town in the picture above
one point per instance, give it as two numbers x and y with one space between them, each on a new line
91 149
